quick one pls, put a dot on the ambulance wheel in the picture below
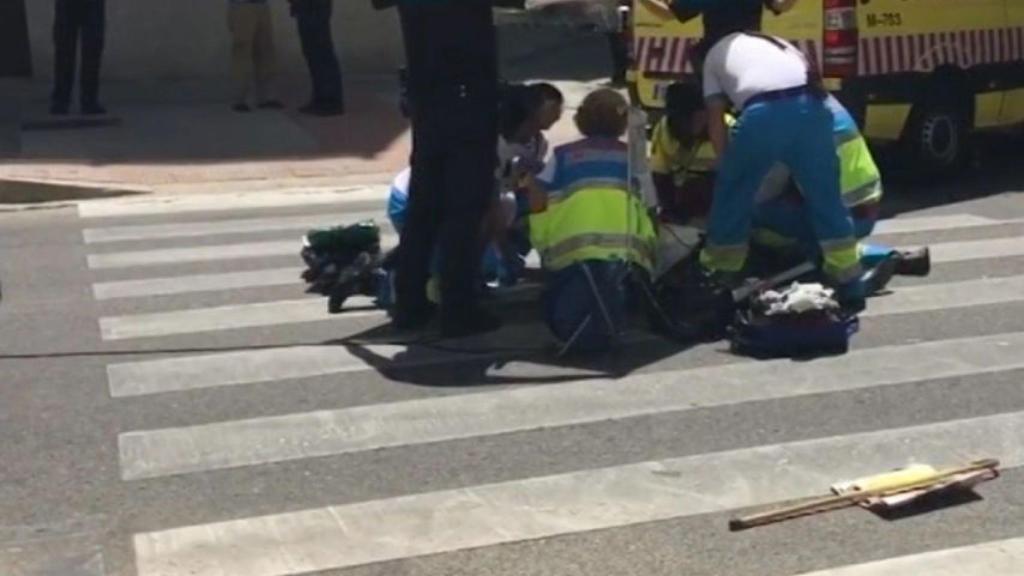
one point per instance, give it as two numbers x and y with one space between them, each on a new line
938 138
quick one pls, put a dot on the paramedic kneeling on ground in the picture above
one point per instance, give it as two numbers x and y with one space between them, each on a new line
682 161
784 120
588 227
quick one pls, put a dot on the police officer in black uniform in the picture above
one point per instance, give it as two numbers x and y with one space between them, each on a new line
76 20
452 65
722 17
313 18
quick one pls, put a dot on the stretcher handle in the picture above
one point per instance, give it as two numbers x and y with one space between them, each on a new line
743 292
831 502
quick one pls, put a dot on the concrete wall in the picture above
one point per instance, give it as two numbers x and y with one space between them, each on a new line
184 39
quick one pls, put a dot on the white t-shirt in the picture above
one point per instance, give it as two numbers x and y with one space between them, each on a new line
741 66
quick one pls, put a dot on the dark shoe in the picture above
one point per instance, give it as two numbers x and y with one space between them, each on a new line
469 323
851 296
93 109
876 279
241 107
914 262
59 109
271 105
413 318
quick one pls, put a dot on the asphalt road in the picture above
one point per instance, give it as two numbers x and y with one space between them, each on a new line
284 441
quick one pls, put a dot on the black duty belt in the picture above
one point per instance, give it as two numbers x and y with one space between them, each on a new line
776 95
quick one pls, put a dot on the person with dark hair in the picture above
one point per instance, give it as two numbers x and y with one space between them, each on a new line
313 18
780 221
452 62
521 147
77 21
552 104
682 159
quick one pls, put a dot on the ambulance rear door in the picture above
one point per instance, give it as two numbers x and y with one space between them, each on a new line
1013 97
660 51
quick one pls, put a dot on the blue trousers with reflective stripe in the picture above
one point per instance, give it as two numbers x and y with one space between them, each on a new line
797 132
791 220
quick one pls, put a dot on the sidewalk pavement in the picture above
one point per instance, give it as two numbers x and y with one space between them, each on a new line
182 137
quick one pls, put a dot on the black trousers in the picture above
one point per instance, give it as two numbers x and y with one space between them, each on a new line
76 20
314 21
451 55
620 55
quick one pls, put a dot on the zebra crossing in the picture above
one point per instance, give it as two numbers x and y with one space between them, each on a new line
149 258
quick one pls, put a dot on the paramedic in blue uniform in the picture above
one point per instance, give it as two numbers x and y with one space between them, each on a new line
77 22
785 119
451 55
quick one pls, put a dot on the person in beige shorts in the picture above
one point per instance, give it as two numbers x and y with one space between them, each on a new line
252 54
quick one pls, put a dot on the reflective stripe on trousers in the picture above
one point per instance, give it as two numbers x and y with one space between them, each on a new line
600 246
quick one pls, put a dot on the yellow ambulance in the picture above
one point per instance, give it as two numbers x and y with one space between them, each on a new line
922 73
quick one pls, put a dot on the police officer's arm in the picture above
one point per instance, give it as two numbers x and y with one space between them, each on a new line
682 10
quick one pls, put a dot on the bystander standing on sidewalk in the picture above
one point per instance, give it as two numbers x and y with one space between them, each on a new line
74 21
252 53
314 21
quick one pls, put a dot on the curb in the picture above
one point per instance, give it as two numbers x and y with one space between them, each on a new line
37 191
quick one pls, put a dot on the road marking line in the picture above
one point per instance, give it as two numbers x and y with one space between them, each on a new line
977 250
337 537
197 283
193 254
220 318
926 223
307 221
946 296
1001 558
221 227
152 453
281 313
169 205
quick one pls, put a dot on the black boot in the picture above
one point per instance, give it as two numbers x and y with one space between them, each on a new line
468 323
876 279
413 317
914 262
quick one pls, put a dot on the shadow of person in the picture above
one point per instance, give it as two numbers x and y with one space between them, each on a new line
523 352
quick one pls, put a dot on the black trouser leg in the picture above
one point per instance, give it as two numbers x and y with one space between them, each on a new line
468 191
65 44
93 31
452 62
419 236
620 55
314 21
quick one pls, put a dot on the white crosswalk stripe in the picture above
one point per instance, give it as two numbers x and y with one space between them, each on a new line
227 202
221 227
302 539
196 283
415 525
903 301
1002 558
313 434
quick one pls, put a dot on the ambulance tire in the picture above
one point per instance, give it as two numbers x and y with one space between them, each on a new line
938 138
